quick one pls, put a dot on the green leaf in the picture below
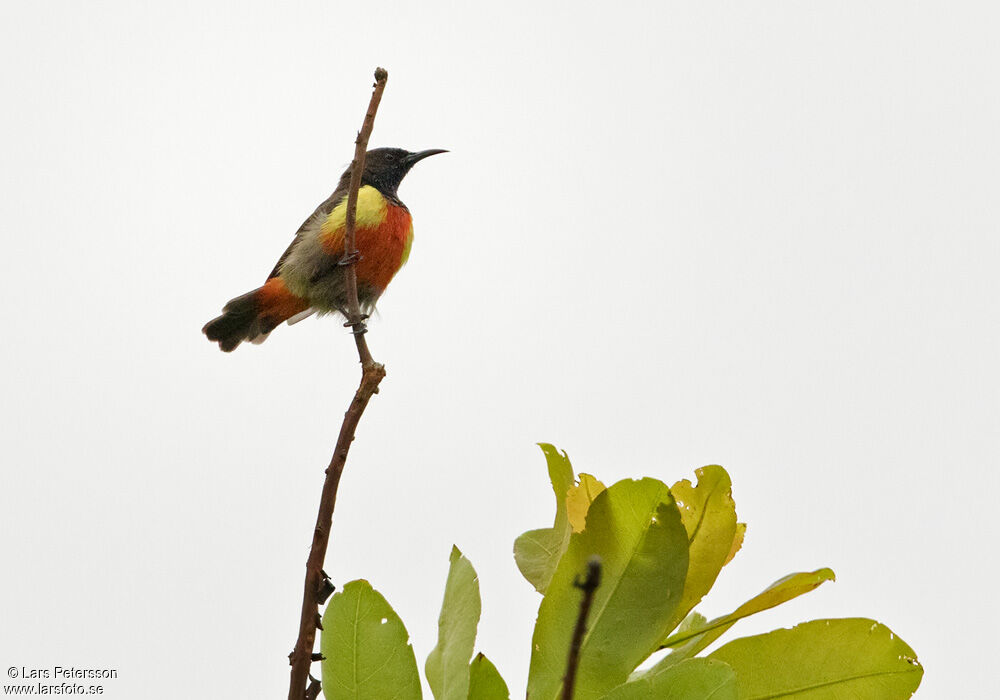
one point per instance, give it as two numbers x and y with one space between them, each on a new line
367 649
636 530
485 681
824 660
537 552
447 666
694 679
694 621
709 516
779 592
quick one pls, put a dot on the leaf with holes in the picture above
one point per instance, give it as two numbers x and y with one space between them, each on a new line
709 516
366 648
824 660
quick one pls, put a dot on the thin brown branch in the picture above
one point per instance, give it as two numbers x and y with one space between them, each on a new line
355 320
371 374
588 586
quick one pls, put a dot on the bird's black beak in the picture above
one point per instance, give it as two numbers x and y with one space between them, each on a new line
414 158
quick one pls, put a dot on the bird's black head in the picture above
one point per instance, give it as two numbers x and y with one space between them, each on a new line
385 168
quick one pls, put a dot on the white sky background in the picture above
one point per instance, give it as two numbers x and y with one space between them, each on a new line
762 235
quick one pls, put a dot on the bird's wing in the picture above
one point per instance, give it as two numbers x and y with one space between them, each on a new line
317 217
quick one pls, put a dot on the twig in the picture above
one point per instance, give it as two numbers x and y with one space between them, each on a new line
312 692
371 374
588 586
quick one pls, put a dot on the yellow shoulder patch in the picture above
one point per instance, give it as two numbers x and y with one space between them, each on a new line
371 212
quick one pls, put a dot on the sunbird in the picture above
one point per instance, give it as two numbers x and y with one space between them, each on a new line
310 275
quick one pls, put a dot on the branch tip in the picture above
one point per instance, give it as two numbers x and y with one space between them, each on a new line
593 577
588 585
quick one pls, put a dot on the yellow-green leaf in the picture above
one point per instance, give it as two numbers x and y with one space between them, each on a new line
694 679
741 531
689 643
579 498
485 681
824 660
366 648
537 552
636 530
709 516
447 666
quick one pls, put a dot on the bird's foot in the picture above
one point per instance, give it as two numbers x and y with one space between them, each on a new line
350 258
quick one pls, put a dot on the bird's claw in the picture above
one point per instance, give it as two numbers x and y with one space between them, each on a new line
349 258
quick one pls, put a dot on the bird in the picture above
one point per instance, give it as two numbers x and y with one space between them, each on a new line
311 275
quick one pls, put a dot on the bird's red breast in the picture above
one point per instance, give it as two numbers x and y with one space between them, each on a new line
383 246
383 234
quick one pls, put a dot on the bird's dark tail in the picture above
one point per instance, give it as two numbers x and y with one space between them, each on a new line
253 315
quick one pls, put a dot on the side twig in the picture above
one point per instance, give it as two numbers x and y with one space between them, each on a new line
588 586
372 374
